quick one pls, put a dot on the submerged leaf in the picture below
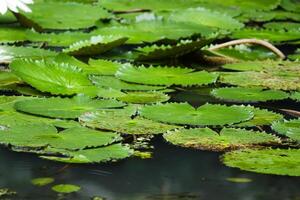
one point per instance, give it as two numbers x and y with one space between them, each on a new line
266 161
208 114
42 181
227 139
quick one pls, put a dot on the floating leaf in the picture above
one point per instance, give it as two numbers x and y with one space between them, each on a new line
289 128
104 67
165 76
62 15
46 76
95 45
290 5
8 78
239 180
42 181
295 96
12 34
206 17
8 53
282 25
103 154
227 139
295 56
248 94
122 121
156 52
149 97
266 161
208 114
262 117
57 107
113 82
66 188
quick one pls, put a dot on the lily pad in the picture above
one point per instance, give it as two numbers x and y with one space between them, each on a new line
42 181
237 94
95 45
227 139
63 15
295 96
104 67
8 78
206 115
165 76
66 188
289 128
121 121
149 97
97 155
265 161
67 108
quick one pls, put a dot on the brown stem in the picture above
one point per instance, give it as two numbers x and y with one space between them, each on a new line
249 41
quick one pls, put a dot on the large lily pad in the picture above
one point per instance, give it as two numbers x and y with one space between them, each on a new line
56 107
295 96
46 76
289 128
208 114
165 76
227 139
248 94
121 121
266 161
104 67
61 15
149 97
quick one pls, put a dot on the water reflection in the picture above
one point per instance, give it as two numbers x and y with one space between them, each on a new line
173 173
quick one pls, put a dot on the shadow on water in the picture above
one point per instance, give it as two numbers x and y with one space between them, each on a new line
173 173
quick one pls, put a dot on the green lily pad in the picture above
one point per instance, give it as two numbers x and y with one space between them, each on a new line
265 161
165 76
113 82
237 94
239 180
98 155
104 67
295 96
66 188
290 5
46 76
227 139
208 114
282 25
262 117
12 34
62 15
206 17
183 47
95 45
289 128
295 56
67 108
5 192
9 53
149 97
121 121
42 181
8 78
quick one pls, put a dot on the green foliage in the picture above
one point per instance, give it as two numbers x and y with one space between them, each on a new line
46 76
42 181
295 96
104 67
67 108
290 5
206 115
295 56
8 53
95 45
5 192
289 128
62 15
236 94
227 139
8 78
165 76
122 121
266 161
144 97
66 188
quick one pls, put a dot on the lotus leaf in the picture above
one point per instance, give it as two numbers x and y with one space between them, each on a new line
95 45
103 154
121 121
227 139
236 94
266 161
8 53
208 114
289 128
62 15
67 108
66 188
165 76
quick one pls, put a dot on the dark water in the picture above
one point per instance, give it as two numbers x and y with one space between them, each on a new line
173 173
